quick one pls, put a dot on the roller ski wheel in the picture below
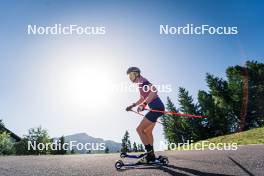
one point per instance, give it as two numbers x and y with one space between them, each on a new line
163 160
159 161
119 164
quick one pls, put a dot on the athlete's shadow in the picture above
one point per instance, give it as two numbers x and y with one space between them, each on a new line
171 169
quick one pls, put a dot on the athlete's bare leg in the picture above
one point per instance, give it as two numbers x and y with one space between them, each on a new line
144 130
149 134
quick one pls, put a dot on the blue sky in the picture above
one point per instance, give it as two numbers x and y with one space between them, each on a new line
43 79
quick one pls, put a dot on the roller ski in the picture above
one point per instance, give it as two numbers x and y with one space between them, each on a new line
143 160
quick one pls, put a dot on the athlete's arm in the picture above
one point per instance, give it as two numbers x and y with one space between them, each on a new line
141 100
152 94
129 108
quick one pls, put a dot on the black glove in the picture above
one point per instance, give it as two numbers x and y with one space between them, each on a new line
141 107
130 107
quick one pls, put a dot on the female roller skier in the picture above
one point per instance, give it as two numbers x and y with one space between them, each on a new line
148 97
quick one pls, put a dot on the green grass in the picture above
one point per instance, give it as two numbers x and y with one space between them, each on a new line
254 136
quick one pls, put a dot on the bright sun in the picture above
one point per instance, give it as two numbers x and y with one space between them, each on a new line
88 86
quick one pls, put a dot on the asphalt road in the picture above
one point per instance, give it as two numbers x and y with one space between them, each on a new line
247 160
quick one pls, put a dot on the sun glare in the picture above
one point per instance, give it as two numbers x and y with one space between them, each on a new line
88 86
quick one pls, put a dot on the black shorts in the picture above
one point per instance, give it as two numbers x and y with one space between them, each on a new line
155 105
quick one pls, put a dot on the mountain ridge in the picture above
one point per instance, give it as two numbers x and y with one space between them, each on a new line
84 138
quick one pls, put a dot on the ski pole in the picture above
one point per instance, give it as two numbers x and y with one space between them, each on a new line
176 113
141 114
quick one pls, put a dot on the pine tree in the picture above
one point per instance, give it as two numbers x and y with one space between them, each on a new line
126 144
135 148
1 125
208 109
223 116
62 142
246 86
106 150
129 145
194 125
230 105
174 127
72 151
140 148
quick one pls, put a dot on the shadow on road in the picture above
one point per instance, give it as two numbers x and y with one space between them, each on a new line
239 165
171 169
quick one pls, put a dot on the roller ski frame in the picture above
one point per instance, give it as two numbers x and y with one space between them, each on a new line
160 161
